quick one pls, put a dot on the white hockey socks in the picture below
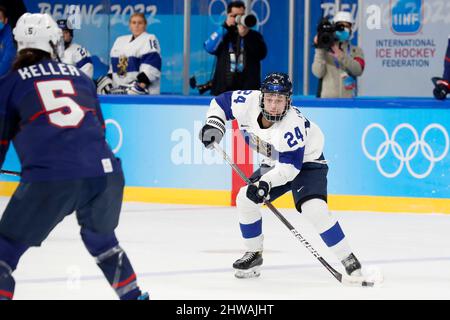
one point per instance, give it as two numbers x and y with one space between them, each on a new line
250 221
316 211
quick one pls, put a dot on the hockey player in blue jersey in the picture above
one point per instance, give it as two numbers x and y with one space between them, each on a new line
293 161
50 111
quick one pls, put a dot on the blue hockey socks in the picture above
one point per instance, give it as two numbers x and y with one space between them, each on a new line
7 283
113 262
10 253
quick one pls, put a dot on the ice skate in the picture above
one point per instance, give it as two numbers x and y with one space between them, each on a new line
249 265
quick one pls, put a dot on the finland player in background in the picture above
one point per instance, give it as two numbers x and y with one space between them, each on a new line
294 161
135 66
51 113
75 54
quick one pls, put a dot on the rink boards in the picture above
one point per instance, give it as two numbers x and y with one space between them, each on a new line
387 155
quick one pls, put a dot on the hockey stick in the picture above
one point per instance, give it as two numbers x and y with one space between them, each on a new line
10 173
343 278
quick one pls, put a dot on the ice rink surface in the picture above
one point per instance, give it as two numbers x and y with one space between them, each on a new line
186 252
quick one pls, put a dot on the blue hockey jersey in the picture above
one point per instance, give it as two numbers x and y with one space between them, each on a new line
50 111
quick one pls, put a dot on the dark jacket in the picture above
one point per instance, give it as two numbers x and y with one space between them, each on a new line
254 51
15 9
7 49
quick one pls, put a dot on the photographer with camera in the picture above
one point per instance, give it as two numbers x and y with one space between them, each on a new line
239 52
337 63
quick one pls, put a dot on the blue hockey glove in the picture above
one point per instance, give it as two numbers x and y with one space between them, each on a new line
257 193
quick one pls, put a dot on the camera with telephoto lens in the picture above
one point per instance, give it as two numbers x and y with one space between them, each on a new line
202 88
248 20
326 33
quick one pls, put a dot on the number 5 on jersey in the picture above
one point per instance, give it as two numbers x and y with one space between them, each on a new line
62 111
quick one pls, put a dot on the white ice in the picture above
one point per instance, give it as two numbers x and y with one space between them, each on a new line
186 252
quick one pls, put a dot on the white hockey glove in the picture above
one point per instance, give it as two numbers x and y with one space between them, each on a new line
136 89
131 89
104 85
119 90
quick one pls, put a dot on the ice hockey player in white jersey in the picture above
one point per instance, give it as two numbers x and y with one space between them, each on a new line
293 146
135 66
75 54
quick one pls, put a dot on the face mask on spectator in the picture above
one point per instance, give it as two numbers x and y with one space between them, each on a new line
343 35
2 25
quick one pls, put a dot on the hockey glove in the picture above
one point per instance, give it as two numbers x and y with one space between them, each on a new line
104 85
257 193
119 90
136 89
212 131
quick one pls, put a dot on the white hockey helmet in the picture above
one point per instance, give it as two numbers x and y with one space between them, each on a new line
343 16
39 31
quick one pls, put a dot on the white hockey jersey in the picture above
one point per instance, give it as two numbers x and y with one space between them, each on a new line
288 143
78 56
130 57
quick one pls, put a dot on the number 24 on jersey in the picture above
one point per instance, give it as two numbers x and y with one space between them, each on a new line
292 140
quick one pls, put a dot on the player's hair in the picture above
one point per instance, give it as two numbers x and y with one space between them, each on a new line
138 14
4 11
27 57
235 4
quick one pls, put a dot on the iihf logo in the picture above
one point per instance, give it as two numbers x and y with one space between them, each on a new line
406 16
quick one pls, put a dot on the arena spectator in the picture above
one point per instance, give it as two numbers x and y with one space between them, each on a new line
15 9
339 66
239 51
7 46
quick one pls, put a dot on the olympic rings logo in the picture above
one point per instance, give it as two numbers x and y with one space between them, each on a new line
119 130
260 22
405 157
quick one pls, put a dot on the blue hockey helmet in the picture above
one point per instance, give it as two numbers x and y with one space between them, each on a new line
65 25
280 84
